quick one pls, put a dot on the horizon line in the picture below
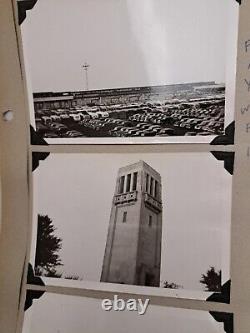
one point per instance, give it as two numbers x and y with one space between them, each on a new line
130 87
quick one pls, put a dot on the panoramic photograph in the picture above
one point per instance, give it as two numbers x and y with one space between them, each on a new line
146 220
146 71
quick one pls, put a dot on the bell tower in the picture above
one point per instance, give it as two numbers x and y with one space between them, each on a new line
133 246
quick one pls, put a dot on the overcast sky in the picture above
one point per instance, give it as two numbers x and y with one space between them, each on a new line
76 192
126 42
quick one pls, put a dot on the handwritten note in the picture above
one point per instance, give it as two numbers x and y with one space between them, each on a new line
245 109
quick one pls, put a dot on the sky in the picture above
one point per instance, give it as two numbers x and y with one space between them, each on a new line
63 314
125 42
76 191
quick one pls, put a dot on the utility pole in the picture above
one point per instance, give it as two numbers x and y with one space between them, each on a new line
85 67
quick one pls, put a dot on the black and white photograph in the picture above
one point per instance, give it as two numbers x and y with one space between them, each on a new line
149 222
62 314
131 71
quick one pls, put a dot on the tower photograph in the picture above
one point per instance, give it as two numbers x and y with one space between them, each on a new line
133 220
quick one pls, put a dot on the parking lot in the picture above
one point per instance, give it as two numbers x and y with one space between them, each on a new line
201 116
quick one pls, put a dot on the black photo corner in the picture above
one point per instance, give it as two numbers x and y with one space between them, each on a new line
32 294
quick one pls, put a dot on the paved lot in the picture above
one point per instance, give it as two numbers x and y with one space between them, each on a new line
203 116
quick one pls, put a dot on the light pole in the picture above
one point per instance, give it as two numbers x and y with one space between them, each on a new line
85 67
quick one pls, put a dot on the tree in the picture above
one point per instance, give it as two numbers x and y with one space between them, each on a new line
212 280
171 285
47 247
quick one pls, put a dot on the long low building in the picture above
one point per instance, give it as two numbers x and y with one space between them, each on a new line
55 100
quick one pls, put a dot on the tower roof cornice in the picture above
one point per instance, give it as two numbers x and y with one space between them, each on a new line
137 166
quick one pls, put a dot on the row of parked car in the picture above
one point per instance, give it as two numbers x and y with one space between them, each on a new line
98 124
141 129
154 118
210 120
55 130
141 119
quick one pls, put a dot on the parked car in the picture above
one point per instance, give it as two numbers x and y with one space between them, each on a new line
190 133
75 117
55 118
41 128
73 134
64 116
50 135
166 131
148 133
46 120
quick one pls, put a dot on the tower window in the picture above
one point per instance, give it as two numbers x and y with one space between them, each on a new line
151 186
121 184
150 218
124 217
147 181
156 189
134 181
128 182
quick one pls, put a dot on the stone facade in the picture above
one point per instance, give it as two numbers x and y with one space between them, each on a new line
133 247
